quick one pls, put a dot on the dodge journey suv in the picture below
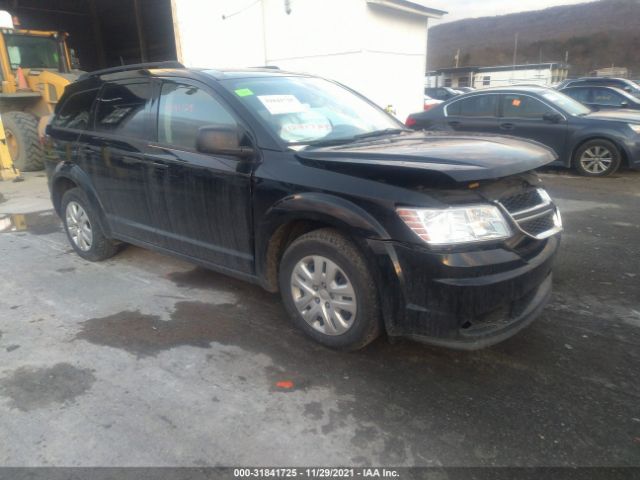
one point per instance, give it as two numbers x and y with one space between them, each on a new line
302 186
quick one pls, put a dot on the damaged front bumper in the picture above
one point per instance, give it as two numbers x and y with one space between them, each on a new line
467 299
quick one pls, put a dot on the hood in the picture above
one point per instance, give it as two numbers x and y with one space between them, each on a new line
620 115
462 158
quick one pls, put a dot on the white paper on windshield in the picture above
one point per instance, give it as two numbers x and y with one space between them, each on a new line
279 104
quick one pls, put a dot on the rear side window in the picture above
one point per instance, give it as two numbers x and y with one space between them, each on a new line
123 108
475 106
183 110
522 106
75 111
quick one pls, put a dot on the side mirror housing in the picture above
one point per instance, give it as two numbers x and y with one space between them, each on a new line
552 117
221 140
624 104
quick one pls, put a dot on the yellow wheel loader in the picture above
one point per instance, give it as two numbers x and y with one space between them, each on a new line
35 68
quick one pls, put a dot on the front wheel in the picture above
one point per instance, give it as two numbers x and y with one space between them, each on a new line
328 290
597 158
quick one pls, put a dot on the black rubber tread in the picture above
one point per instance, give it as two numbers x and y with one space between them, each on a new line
337 247
615 164
102 247
24 127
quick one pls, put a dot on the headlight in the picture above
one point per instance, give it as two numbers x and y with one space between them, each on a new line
473 223
634 126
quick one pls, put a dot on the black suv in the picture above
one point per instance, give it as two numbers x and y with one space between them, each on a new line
303 186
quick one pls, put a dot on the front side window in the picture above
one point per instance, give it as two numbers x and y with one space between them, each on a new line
75 111
183 110
523 106
303 110
475 106
123 109
602 96
32 51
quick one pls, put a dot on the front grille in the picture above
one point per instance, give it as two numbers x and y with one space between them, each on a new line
533 212
538 225
522 201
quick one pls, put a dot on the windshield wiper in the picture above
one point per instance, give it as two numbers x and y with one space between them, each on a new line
341 141
380 133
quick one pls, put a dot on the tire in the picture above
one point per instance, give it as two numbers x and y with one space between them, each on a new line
597 158
349 329
21 131
100 247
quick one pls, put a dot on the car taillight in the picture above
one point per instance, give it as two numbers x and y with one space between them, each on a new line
410 122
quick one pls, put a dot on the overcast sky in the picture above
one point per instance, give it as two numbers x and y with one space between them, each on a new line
459 9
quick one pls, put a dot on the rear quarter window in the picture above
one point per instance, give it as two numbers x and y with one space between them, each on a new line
75 111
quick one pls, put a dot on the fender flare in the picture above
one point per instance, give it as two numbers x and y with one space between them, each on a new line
72 172
312 206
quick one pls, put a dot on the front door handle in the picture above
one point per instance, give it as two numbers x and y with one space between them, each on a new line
160 165
507 126
454 124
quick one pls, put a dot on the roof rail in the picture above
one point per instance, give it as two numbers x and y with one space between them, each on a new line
132 66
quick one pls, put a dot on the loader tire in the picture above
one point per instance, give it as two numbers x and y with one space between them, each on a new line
21 131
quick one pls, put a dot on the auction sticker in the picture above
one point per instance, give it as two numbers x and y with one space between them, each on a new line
279 104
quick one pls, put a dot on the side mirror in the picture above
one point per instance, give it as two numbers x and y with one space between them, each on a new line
624 104
552 117
221 140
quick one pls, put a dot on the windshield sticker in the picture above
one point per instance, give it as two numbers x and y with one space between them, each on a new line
244 92
305 126
280 104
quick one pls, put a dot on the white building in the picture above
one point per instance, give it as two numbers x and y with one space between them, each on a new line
377 47
498 76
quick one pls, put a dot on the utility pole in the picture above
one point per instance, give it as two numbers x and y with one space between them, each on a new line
515 50
457 57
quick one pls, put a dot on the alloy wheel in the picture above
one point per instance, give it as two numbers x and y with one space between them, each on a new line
79 226
323 295
596 159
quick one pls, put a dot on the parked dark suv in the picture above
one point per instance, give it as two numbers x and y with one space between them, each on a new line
303 186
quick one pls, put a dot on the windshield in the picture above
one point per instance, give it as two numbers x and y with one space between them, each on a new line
32 52
301 110
566 103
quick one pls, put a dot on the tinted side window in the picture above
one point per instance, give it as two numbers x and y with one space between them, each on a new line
603 96
123 109
183 110
478 106
522 106
579 94
75 111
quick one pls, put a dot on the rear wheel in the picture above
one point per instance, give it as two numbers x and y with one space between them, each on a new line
597 158
328 290
83 228
21 132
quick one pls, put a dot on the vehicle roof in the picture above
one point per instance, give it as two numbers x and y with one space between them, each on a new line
511 89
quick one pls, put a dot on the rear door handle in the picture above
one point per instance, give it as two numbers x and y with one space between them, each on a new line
507 126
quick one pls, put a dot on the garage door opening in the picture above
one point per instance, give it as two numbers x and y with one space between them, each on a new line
103 33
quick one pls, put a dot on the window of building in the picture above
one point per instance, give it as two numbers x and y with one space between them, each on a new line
463 81
447 82
122 109
76 110
486 81
183 110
